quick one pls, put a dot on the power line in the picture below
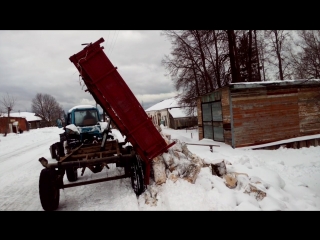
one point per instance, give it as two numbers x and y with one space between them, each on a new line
107 39
114 41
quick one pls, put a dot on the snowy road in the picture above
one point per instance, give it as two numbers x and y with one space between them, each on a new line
20 171
289 177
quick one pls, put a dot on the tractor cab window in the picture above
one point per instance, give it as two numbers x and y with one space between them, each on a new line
86 117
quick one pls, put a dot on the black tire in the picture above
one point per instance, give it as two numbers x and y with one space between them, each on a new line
59 150
53 151
137 176
72 174
48 189
128 149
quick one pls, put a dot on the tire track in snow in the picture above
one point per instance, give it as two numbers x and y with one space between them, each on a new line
24 149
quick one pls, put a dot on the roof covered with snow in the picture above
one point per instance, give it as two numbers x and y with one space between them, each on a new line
275 82
165 104
179 112
173 107
81 107
27 115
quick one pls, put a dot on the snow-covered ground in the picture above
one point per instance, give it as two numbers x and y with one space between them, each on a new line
289 177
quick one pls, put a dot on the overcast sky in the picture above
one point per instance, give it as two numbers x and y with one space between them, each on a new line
34 62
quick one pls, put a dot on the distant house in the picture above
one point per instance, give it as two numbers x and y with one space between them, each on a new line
255 113
170 114
21 120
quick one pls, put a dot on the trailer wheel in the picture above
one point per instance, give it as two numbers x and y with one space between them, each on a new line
72 174
53 151
48 189
137 176
59 150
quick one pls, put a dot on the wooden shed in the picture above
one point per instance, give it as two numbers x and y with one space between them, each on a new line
247 114
15 123
23 120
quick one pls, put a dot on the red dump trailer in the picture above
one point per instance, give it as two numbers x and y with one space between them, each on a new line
112 93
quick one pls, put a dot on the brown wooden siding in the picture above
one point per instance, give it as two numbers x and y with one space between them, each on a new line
23 124
265 116
309 110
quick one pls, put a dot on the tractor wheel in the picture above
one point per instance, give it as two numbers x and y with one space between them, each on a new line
48 189
137 176
53 151
72 174
59 150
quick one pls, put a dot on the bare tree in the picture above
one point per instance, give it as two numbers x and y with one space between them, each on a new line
233 56
306 58
279 44
8 104
46 107
217 48
186 67
248 57
198 63
188 62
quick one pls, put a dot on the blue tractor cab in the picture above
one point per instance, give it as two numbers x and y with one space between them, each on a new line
86 119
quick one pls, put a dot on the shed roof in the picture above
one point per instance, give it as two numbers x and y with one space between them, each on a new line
81 107
173 107
165 104
275 83
179 112
27 115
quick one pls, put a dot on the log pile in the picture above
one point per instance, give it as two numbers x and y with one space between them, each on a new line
179 162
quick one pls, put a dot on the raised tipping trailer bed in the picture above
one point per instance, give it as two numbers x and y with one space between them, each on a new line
113 94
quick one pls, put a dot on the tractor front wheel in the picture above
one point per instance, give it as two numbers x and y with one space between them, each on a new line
72 174
59 150
53 151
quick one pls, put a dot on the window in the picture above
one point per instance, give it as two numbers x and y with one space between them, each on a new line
79 116
206 112
212 121
216 111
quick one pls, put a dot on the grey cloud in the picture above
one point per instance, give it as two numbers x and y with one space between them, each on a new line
34 62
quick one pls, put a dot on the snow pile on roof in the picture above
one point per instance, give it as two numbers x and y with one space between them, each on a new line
180 112
81 107
281 82
27 115
168 103
173 107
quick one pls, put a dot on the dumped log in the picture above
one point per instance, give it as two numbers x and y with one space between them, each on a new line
159 170
257 193
230 180
177 162
219 169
